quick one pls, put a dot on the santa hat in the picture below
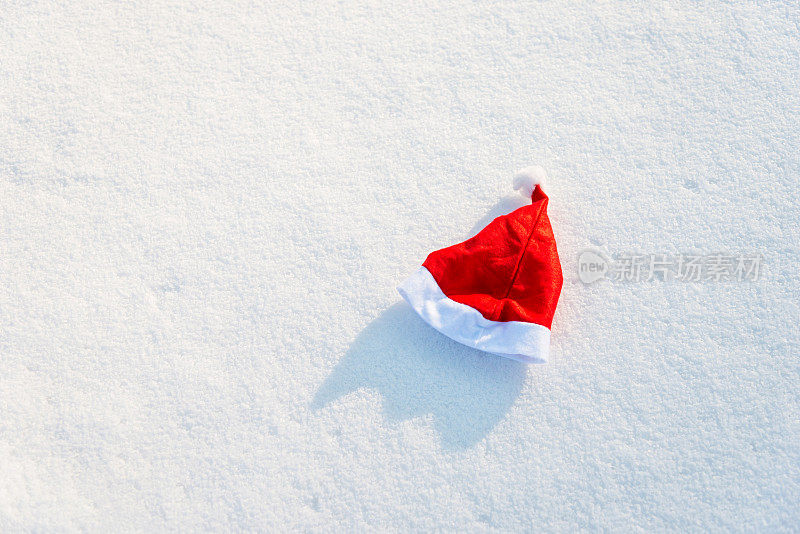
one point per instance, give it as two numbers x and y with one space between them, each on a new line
496 292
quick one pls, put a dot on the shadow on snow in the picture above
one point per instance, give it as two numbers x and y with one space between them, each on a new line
419 371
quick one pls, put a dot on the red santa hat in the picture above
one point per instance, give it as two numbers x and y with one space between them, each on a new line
496 292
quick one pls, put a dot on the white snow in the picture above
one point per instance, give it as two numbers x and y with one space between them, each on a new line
205 208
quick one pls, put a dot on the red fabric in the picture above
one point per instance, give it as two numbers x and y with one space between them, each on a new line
510 271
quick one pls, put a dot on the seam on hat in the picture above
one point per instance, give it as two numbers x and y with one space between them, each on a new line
524 250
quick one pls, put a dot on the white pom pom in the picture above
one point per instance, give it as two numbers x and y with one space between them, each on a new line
525 180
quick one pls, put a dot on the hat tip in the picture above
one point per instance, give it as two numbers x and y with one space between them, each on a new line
526 179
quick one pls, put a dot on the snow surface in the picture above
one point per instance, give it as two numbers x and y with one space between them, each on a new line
206 207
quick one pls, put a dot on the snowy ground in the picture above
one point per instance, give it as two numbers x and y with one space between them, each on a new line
205 208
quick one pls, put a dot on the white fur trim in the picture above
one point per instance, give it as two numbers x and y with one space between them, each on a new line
524 342
525 180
